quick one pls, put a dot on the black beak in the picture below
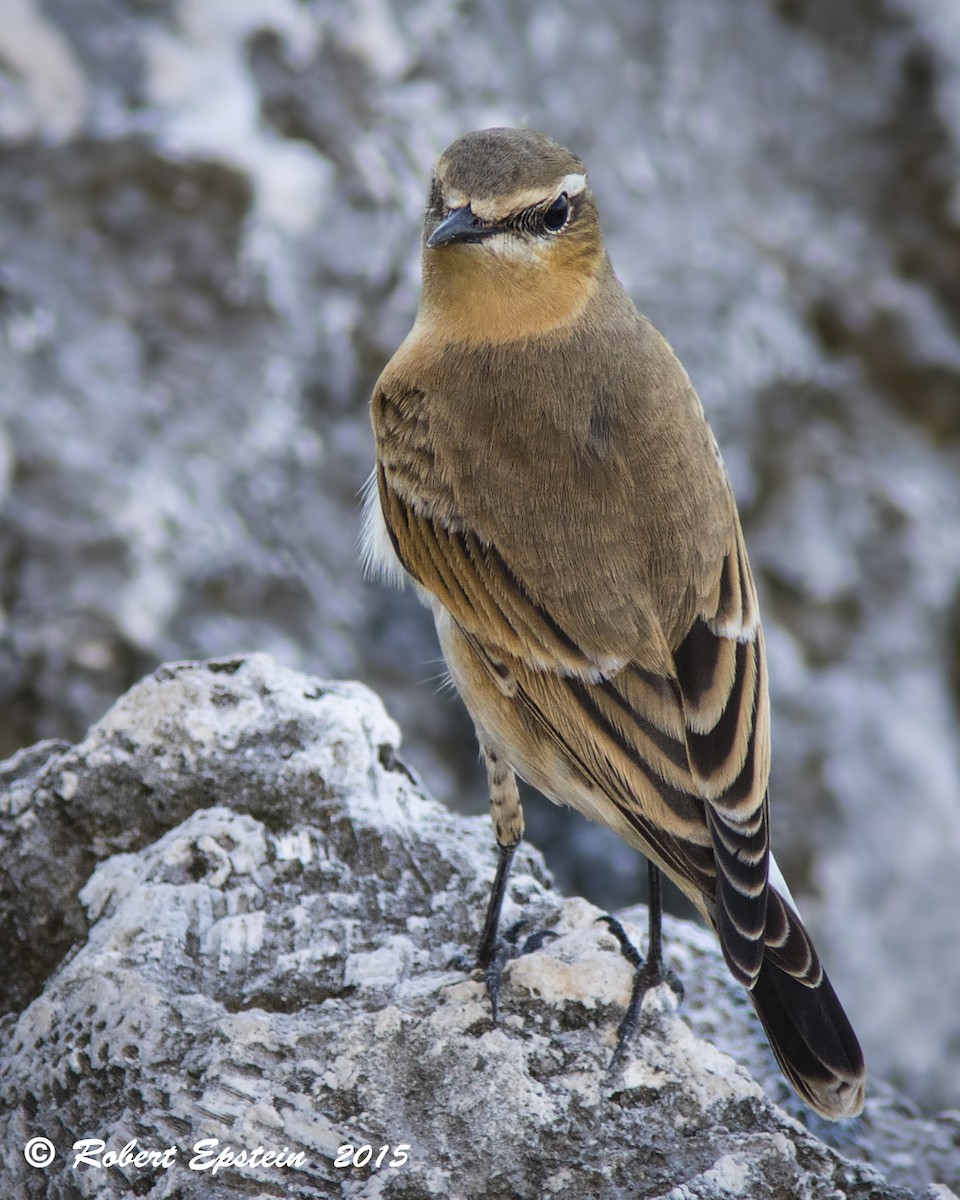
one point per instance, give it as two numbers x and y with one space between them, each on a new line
460 226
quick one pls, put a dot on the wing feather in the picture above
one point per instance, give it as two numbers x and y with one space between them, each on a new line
682 754
721 667
471 580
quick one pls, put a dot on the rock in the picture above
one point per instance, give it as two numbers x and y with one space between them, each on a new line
262 916
209 220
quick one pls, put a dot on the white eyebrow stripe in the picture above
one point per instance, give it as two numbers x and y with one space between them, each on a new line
501 207
573 184
454 199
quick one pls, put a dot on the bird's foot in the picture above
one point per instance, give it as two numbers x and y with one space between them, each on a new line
648 973
493 960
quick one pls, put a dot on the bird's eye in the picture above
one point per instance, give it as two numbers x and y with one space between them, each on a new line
556 215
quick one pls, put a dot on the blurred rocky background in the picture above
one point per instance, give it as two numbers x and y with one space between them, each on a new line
209 217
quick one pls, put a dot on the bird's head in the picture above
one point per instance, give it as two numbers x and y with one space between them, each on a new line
511 241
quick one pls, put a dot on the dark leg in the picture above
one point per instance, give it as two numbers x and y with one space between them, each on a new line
493 951
488 939
655 925
649 972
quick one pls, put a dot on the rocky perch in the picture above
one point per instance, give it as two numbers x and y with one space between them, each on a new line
231 913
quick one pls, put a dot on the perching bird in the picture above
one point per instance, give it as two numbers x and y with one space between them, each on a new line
547 477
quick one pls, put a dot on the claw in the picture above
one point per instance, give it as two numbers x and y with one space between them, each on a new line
627 948
536 940
504 950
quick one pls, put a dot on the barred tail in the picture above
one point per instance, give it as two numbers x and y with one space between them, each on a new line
804 1021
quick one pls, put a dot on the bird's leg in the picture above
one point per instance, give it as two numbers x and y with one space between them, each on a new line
487 949
507 816
648 972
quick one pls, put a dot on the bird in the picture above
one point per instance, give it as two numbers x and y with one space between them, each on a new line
546 477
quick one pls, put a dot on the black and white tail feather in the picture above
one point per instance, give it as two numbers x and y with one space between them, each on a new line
805 1023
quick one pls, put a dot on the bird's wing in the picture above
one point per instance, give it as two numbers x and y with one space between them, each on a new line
471 580
681 750
722 675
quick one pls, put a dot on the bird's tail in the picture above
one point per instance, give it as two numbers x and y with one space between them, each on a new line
804 1021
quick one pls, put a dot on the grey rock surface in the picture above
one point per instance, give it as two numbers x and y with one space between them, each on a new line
264 927
208 241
